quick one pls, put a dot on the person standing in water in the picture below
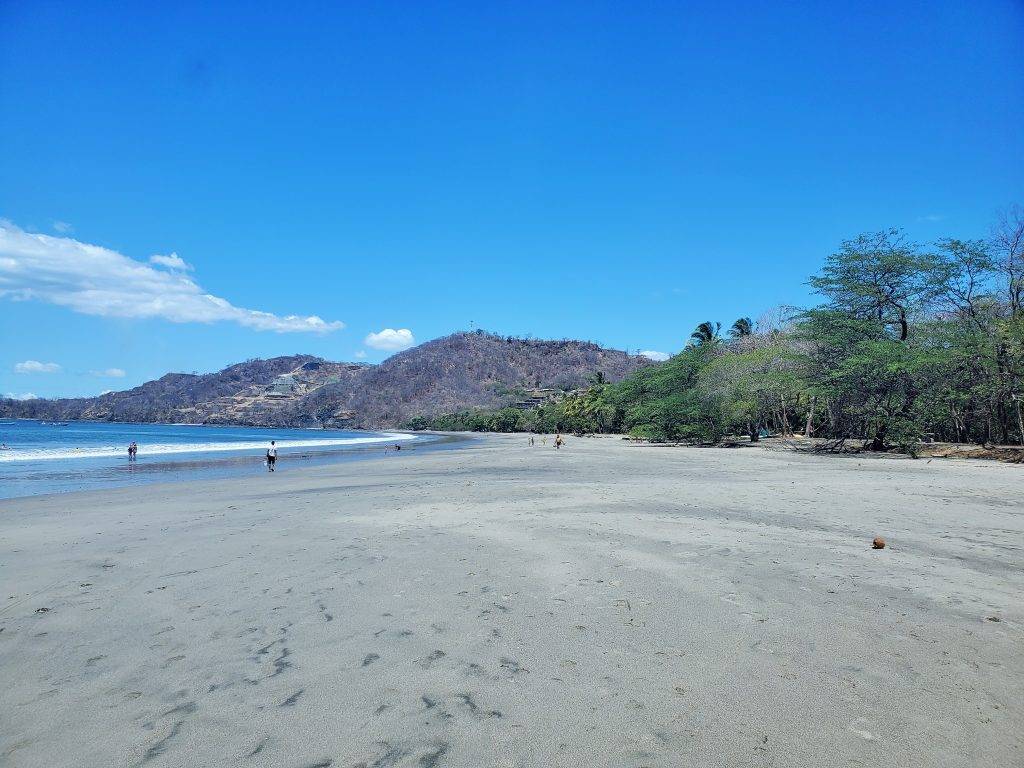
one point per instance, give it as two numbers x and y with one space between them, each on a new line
558 441
271 456
133 450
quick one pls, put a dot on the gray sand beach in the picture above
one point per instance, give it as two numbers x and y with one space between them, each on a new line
608 604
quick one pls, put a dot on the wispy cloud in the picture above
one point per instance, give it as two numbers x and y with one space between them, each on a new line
931 217
34 366
22 396
360 354
98 281
63 227
651 354
390 339
171 261
110 373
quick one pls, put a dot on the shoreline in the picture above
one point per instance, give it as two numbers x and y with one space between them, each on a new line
85 473
158 451
504 605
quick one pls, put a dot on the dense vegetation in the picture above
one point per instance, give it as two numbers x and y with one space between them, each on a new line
909 343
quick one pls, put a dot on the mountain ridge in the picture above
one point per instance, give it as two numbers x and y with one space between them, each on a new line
459 371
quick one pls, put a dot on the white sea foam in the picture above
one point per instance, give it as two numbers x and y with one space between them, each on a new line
168 449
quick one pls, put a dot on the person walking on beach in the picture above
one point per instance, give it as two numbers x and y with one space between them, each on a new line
271 456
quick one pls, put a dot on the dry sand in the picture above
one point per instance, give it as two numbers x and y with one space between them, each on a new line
501 605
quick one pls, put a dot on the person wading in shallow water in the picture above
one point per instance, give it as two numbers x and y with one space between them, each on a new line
271 456
558 441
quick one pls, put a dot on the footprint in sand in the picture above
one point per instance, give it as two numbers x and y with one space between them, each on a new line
859 727
427 661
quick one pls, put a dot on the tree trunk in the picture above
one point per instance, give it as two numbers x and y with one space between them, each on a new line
878 443
810 417
1020 423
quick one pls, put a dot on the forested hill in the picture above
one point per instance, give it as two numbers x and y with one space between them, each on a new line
465 370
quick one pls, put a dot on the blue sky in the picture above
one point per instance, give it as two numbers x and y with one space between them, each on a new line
608 171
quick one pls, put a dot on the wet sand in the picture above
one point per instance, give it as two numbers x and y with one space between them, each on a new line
501 605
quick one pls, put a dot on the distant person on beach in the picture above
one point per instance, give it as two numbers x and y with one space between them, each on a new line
558 441
531 440
133 450
271 456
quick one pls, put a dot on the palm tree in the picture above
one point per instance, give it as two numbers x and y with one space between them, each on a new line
742 327
705 333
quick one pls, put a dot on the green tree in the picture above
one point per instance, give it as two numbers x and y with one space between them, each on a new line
878 276
705 333
741 328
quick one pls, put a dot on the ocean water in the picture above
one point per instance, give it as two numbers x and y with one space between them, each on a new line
41 457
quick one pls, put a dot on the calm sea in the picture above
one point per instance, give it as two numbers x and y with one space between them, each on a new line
41 457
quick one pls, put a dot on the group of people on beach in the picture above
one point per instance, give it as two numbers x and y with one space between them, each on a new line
271 461
559 440
133 452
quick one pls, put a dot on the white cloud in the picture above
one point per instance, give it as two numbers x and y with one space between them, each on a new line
34 366
660 357
360 354
172 261
110 373
63 227
391 340
22 396
98 281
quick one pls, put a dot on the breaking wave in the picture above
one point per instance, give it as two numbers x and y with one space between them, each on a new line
169 449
